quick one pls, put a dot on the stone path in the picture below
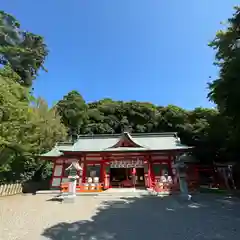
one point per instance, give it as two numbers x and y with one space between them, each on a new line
93 218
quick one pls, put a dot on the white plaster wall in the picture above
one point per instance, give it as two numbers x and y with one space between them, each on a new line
56 182
58 170
65 180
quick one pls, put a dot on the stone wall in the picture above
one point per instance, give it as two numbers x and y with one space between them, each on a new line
10 189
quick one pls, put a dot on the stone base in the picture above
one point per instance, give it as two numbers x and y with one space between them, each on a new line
69 200
67 197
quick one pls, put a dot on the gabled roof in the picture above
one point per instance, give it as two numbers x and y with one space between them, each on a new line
55 152
109 143
58 150
149 141
95 142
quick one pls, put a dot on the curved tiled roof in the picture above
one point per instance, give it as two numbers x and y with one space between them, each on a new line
55 152
108 142
94 143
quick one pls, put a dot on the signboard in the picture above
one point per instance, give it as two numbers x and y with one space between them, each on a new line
127 164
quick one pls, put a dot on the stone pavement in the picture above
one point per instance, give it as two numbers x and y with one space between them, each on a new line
95 218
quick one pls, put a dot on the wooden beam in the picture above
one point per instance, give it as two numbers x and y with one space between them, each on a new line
84 173
127 152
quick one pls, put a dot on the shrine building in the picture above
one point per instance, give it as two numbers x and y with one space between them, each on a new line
110 159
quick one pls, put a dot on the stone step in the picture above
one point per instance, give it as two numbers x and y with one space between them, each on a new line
123 194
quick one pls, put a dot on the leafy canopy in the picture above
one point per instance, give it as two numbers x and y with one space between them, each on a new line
23 51
225 91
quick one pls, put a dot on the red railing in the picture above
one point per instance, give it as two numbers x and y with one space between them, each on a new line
83 187
164 187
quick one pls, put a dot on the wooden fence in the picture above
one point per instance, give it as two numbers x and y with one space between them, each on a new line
26 187
10 189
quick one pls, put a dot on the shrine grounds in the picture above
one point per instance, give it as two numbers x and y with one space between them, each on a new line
33 217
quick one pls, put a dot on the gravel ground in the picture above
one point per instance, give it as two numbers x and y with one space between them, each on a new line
110 217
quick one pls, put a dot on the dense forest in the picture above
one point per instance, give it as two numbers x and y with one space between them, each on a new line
28 127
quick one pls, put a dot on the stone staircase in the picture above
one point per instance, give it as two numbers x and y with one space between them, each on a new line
117 193
112 192
124 192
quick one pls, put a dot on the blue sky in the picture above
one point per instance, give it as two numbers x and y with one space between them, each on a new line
145 50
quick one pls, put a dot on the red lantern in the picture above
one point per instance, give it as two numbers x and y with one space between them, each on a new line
134 171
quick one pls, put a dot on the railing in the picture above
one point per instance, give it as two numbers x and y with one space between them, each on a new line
10 189
165 187
160 187
84 187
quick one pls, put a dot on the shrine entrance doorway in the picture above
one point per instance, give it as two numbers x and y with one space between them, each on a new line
140 182
119 176
121 173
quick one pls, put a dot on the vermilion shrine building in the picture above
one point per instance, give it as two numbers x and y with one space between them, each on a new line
110 159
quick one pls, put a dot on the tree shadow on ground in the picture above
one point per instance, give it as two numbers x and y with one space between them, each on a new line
155 218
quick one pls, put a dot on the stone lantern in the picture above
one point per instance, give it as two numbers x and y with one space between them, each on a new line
73 176
181 168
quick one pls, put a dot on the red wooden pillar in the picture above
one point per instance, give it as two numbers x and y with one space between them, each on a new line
63 170
170 159
146 173
151 173
106 176
84 174
150 178
78 172
54 165
102 170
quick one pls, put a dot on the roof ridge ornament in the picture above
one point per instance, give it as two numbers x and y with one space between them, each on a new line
178 140
126 128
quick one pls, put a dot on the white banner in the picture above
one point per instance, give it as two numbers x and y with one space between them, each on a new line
127 164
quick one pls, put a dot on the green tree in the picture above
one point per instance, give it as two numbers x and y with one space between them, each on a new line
73 110
13 114
224 91
23 51
205 129
26 130
44 129
27 126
